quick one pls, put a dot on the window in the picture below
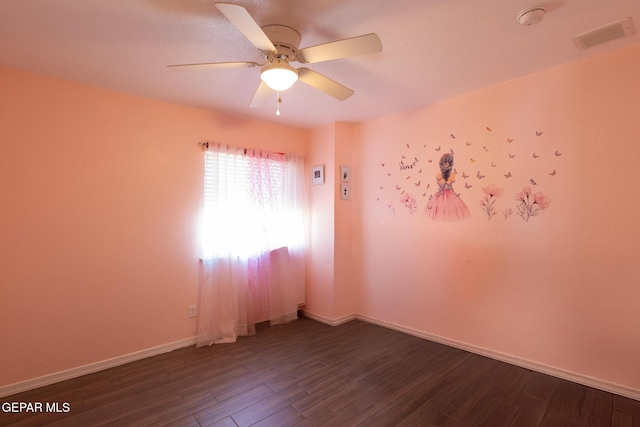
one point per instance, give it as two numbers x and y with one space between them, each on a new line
253 202
253 242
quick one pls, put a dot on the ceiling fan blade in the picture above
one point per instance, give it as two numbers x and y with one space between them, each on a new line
240 17
360 45
324 84
261 95
211 66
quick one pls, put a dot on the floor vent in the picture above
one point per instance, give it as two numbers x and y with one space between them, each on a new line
604 34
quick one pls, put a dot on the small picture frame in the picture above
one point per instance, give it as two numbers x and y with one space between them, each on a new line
345 173
345 191
317 175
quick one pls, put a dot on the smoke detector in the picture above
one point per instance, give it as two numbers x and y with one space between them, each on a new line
531 15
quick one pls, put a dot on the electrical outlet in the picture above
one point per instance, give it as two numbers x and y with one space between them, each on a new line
193 311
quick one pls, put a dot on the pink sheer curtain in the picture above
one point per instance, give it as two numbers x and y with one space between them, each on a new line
253 242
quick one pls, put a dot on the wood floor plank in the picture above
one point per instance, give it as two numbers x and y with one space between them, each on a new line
622 419
428 414
231 406
597 408
309 374
566 404
225 422
531 411
321 394
284 418
172 414
268 407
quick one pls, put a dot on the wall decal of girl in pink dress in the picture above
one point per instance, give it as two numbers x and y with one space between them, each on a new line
445 204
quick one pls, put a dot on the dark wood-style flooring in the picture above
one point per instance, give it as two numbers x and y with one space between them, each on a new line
309 374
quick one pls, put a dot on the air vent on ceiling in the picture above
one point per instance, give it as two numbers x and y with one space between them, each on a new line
604 34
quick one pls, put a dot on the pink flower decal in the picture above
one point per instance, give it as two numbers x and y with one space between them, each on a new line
491 193
542 200
409 202
530 204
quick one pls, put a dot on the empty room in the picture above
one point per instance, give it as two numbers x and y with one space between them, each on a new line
417 212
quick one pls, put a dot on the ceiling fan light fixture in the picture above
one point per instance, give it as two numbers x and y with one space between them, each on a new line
279 75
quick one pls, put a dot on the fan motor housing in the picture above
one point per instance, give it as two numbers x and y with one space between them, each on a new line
285 39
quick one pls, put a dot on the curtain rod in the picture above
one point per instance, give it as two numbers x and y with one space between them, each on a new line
204 145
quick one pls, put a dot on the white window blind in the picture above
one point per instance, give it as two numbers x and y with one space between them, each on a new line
253 202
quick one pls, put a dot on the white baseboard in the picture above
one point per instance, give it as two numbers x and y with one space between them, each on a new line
514 360
165 348
93 367
327 320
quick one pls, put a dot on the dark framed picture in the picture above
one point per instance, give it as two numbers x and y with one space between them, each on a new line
317 175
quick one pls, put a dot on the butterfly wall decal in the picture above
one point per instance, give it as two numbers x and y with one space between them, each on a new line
480 176
508 175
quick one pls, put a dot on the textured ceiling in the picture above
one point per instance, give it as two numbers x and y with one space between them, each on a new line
432 49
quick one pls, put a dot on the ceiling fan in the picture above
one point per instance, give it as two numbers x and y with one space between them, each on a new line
278 44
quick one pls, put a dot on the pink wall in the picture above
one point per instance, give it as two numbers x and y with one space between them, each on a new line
331 289
345 284
101 197
320 262
560 290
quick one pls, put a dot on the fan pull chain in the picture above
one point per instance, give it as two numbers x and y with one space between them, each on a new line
279 100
